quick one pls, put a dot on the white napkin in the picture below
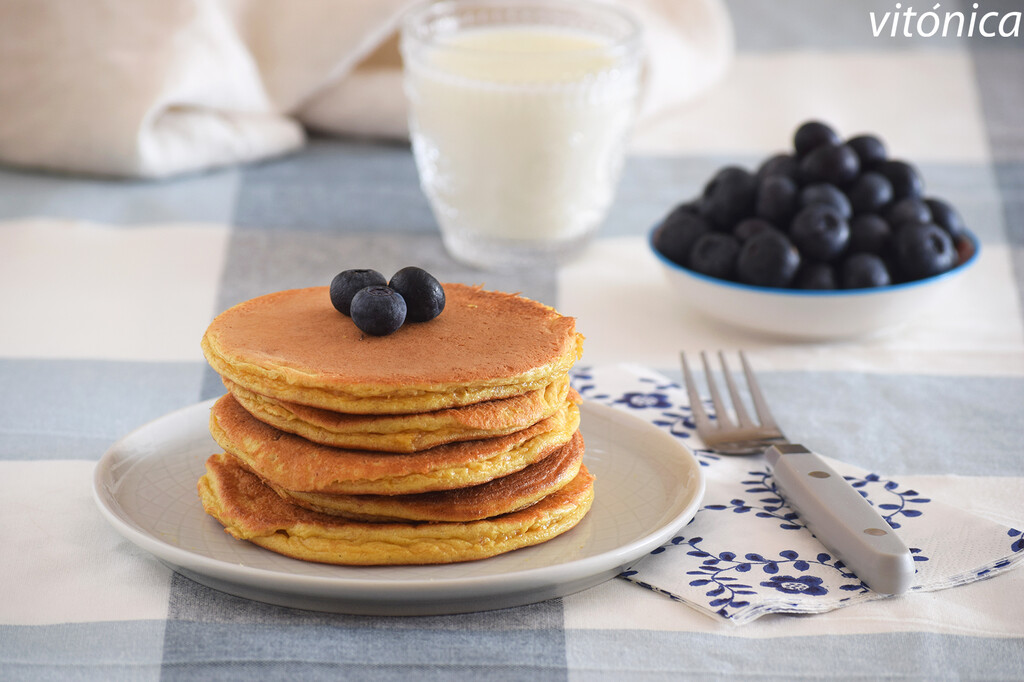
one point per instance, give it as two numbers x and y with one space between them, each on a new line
151 89
747 554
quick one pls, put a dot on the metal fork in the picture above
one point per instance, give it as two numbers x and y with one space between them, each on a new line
744 436
842 520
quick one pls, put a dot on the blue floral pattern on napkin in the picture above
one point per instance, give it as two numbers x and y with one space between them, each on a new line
746 553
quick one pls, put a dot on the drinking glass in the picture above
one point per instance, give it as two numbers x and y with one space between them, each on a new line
519 113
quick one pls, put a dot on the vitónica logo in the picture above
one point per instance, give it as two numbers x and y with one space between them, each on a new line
906 22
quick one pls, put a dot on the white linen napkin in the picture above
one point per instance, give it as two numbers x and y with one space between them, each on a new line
747 554
154 89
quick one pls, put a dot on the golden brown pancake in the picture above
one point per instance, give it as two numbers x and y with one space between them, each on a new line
251 511
499 496
407 432
294 346
294 463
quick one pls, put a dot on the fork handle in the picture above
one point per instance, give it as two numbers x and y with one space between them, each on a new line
842 519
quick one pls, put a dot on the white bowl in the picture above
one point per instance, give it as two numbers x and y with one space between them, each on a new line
809 315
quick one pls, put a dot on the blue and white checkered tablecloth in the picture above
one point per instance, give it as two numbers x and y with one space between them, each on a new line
107 286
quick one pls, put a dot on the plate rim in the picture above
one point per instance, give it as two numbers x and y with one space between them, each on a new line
538 578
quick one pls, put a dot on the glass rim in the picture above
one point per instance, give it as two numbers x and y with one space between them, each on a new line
415 19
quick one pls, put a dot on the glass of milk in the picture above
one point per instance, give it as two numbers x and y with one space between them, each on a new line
519 113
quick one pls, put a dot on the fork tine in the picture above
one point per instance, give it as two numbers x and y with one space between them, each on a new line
721 412
760 404
700 417
724 435
737 403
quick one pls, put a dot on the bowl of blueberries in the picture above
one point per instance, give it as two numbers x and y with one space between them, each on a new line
832 239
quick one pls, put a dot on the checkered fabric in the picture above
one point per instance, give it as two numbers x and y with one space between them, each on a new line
107 286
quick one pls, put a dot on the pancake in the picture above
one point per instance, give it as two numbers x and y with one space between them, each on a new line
407 432
499 496
251 511
294 346
294 463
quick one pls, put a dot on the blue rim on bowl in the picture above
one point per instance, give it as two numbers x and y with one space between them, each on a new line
954 271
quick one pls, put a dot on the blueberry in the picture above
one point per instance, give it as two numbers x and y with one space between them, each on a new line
747 228
835 164
776 199
869 233
908 210
870 193
824 193
423 294
729 197
923 250
820 232
816 276
678 231
714 254
906 181
378 310
869 149
767 259
692 206
780 164
813 134
345 285
946 217
864 271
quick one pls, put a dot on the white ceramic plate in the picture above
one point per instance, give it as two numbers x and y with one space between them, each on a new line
648 486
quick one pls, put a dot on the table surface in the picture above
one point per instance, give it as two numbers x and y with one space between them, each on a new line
107 286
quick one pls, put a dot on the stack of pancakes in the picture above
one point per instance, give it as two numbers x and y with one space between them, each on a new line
449 440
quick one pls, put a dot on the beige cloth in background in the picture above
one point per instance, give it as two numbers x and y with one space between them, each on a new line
161 87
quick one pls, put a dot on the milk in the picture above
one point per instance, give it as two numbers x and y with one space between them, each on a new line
518 133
